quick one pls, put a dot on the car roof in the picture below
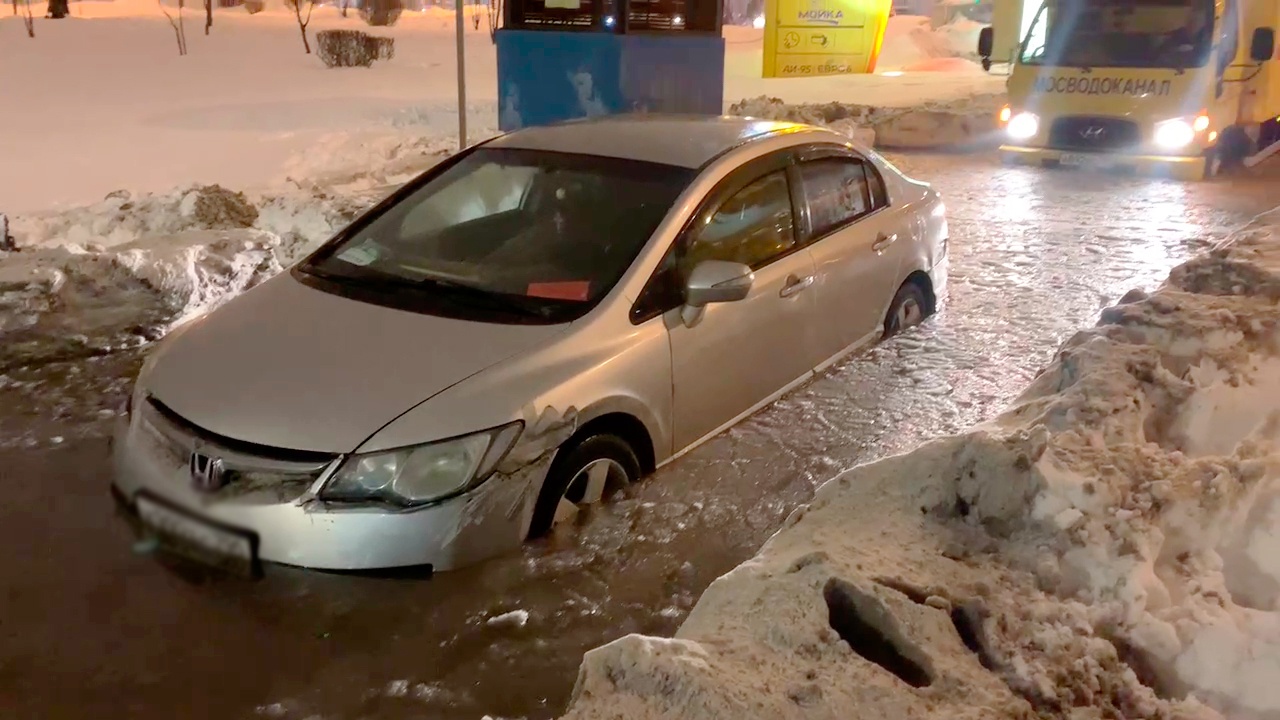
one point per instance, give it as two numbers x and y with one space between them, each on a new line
682 140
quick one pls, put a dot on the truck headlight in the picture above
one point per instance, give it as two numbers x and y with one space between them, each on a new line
1023 126
1174 134
423 473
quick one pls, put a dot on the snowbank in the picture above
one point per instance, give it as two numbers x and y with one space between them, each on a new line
959 123
92 280
911 43
1108 547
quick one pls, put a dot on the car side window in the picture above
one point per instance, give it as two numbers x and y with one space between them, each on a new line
753 226
837 191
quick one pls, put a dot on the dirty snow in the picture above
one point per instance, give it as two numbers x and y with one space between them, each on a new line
966 122
1107 547
116 274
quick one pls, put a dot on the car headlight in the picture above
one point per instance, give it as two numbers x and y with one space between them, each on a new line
423 473
1023 126
1173 134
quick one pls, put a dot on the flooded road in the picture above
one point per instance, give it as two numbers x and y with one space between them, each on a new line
93 626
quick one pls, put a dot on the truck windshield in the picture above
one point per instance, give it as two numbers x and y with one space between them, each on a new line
1129 33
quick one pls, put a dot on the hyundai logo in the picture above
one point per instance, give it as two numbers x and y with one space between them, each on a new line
207 473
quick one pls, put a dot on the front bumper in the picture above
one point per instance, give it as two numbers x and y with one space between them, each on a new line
1180 167
289 525
938 276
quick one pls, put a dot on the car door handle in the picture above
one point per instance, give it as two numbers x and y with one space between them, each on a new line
795 285
883 241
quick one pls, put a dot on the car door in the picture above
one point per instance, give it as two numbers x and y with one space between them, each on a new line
856 238
737 356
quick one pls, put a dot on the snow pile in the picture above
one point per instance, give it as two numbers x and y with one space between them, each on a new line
911 44
302 212
961 37
958 123
92 280
1108 547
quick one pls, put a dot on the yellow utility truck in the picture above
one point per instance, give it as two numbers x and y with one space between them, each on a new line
1180 87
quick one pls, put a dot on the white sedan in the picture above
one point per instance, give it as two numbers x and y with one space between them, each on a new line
537 320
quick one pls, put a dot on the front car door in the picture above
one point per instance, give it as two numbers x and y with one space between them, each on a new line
857 239
738 356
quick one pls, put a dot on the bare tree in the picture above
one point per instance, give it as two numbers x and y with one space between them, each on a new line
57 9
27 19
303 21
7 243
208 15
179 29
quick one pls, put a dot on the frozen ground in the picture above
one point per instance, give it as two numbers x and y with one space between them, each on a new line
1107 547
1037 255
102 102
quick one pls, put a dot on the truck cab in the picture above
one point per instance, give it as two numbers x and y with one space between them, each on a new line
1177 87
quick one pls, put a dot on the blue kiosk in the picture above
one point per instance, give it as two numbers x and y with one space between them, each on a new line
564 59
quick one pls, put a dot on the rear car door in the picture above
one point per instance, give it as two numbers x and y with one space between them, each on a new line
739 355
856 237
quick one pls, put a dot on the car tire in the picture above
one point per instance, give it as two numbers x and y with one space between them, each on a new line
908 309
583 473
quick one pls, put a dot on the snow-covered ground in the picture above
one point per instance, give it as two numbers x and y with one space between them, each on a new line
1107 547
101 101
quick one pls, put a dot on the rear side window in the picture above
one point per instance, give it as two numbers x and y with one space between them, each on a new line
837 191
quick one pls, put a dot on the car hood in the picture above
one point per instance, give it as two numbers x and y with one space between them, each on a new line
289 366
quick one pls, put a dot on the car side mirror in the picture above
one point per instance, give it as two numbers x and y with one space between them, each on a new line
1263 46
714 281
717 281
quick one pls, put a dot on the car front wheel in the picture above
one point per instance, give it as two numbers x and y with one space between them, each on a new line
583 474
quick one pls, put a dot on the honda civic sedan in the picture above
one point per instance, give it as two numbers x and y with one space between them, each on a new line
518 333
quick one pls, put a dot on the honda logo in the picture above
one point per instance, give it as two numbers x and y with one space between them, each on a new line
1093 132
207 473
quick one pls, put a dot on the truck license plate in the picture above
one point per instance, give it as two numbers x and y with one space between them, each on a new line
1080 160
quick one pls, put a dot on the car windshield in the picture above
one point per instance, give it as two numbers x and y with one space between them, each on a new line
506 235
1128 33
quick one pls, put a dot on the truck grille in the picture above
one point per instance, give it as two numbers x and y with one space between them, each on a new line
1093 134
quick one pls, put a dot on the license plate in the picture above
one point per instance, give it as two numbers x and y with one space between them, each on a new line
171 524
1080 160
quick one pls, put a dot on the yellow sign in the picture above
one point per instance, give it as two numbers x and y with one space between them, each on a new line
808 38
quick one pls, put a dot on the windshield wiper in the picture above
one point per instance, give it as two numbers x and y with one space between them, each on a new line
501 302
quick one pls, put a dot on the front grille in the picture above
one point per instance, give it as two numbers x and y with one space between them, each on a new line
1093 134
172 440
